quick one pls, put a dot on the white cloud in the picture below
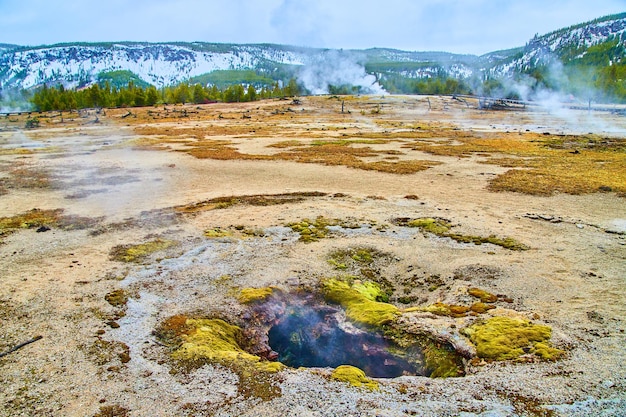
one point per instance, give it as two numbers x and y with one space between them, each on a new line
462 26
300 23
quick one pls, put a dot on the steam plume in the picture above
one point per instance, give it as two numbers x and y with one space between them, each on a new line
338 68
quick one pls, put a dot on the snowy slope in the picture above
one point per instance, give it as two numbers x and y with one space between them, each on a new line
164 64
542 50
158 64
169 63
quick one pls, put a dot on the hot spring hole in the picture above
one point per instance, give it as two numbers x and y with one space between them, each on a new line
319 336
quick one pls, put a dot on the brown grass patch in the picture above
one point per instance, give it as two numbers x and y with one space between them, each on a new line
221 150
45 219
286 144
548 163
216 128
338 152
30 219
336 136
112 411
342 153
24 176
399 167
544 163
16 151
327 154
587 172
252 200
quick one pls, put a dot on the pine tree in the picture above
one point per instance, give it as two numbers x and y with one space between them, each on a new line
239 93
152 96
292 88
214 93
199 95
140 97
251 94
182 93
95 96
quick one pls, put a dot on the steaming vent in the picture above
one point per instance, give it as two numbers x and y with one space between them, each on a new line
310 333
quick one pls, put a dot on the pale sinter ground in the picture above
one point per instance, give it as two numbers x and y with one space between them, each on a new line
54 283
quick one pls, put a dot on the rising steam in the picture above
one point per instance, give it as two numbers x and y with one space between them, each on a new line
563 94
337 68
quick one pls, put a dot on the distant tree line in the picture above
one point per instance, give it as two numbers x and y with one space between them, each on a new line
598 83
397 84
132 95
596 73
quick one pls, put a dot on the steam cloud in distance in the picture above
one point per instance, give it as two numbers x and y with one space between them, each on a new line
336 67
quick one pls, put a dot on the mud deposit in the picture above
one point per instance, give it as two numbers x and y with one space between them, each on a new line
474 262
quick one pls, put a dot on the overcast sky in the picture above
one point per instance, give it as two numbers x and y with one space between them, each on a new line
460 26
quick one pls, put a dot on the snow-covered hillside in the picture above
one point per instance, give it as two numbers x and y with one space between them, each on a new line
158 64
543 50
77 65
